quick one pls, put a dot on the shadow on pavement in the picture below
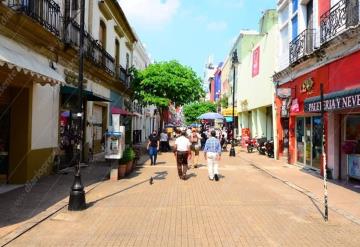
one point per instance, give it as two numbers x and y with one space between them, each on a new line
159 176
352 185
37 196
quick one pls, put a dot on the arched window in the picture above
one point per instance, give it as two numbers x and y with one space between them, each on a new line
102 34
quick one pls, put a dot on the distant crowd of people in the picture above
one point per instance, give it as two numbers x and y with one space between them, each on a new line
187 147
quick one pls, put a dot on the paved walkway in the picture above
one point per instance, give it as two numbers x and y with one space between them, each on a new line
247 207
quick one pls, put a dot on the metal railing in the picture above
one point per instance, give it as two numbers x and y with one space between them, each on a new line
123 76
302 45
338 18
46 12
93 50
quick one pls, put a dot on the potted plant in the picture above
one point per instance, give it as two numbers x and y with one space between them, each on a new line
123 163
131 157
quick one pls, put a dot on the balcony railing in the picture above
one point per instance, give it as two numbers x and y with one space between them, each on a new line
302 45
338 18
46 12
123 76
93 50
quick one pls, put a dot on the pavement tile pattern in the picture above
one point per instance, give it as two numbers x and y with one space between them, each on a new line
247 207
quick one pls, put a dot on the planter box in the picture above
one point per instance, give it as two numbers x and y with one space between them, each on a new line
129 166
121 170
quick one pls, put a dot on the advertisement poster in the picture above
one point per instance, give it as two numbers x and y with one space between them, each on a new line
354 166
256 62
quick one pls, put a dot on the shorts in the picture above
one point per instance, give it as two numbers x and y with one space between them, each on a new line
196 148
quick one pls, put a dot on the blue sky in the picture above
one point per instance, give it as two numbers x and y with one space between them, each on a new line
191 30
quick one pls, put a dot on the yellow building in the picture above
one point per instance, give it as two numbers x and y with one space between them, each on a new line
38 80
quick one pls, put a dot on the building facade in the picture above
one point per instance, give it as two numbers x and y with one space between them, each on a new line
323 51
38 77
254 85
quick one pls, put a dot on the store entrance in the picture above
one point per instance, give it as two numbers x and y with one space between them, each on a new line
4 142
309 141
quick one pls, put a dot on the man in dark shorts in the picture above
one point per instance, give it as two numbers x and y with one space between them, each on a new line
182 153
153 147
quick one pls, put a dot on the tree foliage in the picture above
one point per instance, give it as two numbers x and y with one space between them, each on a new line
224 101
195 109
165 82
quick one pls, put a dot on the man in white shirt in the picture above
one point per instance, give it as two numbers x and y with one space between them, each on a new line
182 154
163 141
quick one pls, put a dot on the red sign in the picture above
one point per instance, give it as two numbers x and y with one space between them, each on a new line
256 62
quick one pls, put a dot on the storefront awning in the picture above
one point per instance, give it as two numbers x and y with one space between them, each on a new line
88 95
228 111
346 99
116 110
28 64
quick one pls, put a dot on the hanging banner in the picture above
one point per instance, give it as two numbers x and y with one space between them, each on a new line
256 62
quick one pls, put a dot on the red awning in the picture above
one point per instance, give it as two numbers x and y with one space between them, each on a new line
116 110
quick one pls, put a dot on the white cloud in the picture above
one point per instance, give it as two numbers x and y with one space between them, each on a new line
217 25
150 13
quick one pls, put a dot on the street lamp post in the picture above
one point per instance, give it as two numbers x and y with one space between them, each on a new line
235 61
77 194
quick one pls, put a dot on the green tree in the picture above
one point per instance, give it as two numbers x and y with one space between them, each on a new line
165 82
224 101
195 109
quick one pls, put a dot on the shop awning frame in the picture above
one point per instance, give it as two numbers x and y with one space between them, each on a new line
117 110
88 95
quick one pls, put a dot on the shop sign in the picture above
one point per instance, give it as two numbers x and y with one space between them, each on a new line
336 103
354 166
283 92
307 86
294 105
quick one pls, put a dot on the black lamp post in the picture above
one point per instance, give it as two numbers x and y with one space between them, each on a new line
235 61
77 194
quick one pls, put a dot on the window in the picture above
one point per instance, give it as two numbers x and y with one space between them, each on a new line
102 34
294 22
294 5
117 52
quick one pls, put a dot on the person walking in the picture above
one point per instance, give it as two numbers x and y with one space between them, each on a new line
212 153
163 141
195 147
182 154
153 147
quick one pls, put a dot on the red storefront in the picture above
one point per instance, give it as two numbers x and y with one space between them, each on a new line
299 119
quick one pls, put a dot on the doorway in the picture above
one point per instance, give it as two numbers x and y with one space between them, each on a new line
4 142
309 141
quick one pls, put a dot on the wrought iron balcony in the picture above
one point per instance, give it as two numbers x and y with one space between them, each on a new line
93 50
338 18
123 76
302 45
46 12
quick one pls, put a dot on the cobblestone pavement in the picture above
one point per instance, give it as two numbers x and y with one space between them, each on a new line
247 207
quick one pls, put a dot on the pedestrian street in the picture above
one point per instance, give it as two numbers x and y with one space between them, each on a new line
246 207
